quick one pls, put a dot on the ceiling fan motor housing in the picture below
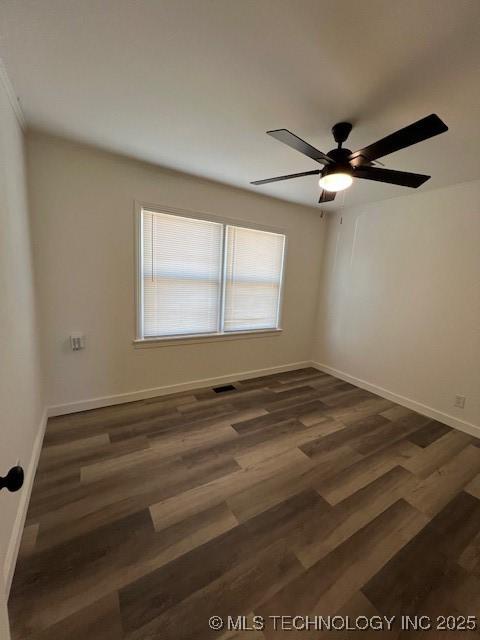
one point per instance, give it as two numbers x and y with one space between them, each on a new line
340 164
337 168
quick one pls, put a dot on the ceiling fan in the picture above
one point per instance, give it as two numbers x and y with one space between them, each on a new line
342 165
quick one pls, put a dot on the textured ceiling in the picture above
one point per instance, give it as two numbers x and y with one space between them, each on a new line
194 84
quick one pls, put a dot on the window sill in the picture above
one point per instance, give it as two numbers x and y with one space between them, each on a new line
145 343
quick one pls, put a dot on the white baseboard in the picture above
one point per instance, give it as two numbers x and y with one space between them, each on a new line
16 537
430 412
143 394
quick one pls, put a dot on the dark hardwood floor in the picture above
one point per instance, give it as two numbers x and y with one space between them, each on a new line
294 494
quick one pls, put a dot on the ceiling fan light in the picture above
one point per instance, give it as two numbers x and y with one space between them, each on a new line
335 181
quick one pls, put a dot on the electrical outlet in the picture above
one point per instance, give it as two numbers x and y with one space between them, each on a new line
460 402
77 341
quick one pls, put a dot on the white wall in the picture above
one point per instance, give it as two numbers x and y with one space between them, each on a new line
21 399
400 299
83 202
4 623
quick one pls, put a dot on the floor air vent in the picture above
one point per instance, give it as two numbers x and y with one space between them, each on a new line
227 387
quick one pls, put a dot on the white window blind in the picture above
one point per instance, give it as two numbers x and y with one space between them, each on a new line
254 262
181 275
202 277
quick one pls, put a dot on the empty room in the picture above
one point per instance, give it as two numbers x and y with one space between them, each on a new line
239 319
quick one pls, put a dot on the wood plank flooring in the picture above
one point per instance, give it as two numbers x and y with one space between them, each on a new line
294 494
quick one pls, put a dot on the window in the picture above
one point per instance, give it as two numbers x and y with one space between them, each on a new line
200 277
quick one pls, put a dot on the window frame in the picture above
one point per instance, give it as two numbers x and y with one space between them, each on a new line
140 340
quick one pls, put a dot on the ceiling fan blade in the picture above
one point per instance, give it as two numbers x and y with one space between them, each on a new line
327 196
292 175
402 178
287 137
416 132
